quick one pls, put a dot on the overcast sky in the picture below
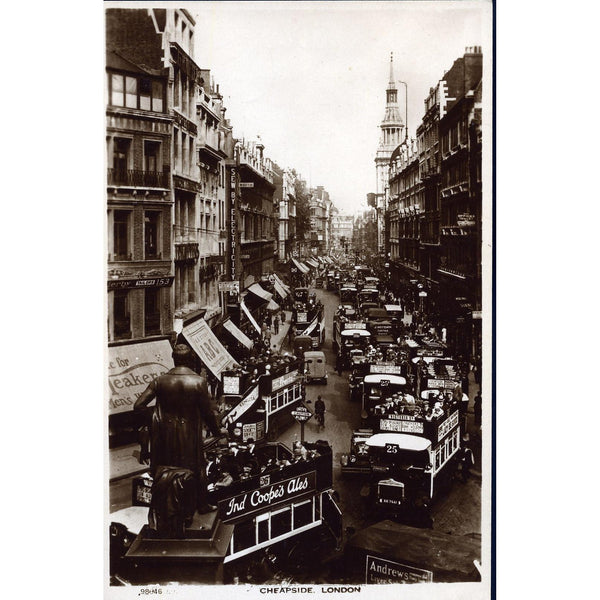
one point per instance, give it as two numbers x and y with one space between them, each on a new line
310 77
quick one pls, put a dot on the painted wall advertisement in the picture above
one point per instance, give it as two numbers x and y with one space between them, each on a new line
131 368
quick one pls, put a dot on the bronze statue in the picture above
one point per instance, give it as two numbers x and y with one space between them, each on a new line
182 408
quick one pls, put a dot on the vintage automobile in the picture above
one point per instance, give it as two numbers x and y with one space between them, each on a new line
315 366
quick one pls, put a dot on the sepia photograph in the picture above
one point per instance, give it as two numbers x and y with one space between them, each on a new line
298 254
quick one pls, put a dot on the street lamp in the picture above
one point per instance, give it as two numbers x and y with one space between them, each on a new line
405 108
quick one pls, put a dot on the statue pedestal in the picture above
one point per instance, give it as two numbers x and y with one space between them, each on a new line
195 558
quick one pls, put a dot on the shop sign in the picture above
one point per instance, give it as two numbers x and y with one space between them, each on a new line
232 287
284 380
446 426
126 284
131 368
465 220
380 571
400 426
266 497
430 352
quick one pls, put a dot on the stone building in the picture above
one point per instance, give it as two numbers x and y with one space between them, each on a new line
139 133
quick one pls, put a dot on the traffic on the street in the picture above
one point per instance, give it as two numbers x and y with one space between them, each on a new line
377 430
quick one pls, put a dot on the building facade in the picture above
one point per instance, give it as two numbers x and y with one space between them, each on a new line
284 203
256 222
342 227
460 204
139 133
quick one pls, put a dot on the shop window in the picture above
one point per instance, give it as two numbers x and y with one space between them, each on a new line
152 311
121 220
281 522
151 235
303 514
121 315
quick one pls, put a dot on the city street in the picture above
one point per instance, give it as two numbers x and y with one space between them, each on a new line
459 512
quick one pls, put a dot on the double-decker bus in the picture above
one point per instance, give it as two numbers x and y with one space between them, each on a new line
409 447
288 508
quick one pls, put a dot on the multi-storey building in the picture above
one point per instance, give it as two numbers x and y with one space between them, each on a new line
460 204
213 146
405 212
256 221
139 130
391 135
429 170
284 203
342 226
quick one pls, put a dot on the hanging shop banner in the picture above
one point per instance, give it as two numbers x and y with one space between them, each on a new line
311 327
131 367
250 317
239 335
236 412
206 345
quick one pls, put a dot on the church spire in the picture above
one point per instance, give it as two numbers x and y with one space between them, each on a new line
391 70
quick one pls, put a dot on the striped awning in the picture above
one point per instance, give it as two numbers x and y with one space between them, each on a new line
250 317
313 263
301 266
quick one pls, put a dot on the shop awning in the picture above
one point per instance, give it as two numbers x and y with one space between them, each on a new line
238 334
249 315
285 287
279 289
259 291
272 305
301 267
313 263
131 367
207 346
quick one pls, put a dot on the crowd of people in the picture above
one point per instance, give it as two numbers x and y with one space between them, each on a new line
231 463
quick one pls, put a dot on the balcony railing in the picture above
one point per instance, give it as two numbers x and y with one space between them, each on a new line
138 178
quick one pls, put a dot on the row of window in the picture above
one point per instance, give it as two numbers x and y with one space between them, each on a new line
120 244
446 450
135 91
264 529
285 396
121 313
